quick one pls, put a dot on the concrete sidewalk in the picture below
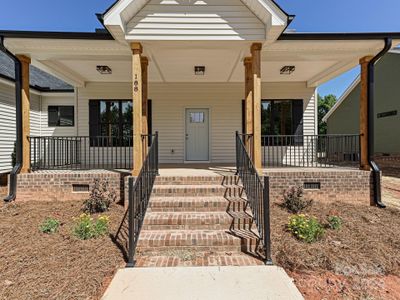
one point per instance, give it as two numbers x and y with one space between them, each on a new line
189 283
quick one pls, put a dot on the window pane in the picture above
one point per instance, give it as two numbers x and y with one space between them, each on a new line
66 114
266 115
197 117
52 116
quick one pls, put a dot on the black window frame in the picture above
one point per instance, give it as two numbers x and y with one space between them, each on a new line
56 108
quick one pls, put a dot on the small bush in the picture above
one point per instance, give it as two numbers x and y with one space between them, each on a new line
305 228
87 228
100 199
335 222
294 200
49 226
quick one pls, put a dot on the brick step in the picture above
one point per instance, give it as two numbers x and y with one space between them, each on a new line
197 190
151 242
195 204
197 180
196 220
187 258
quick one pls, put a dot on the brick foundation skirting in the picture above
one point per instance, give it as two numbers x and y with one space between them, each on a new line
335 185
58 185
390 165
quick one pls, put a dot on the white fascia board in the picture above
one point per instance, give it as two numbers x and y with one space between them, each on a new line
342 98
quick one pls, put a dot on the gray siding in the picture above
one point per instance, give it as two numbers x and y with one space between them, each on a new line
346 117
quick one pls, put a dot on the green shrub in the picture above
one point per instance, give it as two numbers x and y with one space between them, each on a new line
86 227
335 222
305 228
100 199
294 200
50 225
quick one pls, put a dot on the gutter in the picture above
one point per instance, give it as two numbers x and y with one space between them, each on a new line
18 106
371 118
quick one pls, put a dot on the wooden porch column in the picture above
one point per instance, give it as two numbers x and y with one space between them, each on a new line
26 106
364 165
256 67
248 85
137 108
145 129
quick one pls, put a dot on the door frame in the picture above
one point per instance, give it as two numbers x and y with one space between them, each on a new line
185 161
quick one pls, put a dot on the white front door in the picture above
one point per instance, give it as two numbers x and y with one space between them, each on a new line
197 134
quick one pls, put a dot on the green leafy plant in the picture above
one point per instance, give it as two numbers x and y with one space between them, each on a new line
294 201
49 226
305 228
100 199
335 222
86 227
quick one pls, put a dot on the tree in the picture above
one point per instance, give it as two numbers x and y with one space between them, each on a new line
324 105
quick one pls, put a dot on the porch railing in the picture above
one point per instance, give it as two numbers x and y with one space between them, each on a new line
83 152
140 189
310 151
257 192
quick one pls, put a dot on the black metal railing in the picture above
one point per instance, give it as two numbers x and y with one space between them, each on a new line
140 189
83 152
314 151
257 193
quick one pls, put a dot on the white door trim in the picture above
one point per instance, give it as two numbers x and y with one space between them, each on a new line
209 134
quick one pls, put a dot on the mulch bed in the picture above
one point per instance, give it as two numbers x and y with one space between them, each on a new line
360 261
34 265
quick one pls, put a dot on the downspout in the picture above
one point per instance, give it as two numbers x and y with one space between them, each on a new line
371 120
18 107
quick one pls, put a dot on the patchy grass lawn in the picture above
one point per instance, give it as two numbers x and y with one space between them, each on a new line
34 265
359 261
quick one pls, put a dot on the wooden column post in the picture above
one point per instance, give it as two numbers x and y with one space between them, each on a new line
256 66
137 108
26 106
145 129
248 86
364 165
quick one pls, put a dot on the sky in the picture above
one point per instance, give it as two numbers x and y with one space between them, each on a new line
311 16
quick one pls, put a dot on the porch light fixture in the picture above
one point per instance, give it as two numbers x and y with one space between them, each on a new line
104 70
287 70
200 70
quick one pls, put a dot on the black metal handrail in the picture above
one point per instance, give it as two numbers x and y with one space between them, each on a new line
140 189
257 193
83 152
310 151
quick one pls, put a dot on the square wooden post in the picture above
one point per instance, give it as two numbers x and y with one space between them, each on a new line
137 108
256 67
364 164
26 106
145 129
248 85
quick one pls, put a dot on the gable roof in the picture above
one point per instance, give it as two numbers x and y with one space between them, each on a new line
39 79
349 89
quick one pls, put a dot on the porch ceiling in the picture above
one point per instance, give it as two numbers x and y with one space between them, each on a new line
75 61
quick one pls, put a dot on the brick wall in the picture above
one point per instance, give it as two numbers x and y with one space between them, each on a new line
335 185
390 165
58 185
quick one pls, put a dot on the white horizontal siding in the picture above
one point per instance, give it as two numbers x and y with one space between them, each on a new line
225 19
170 101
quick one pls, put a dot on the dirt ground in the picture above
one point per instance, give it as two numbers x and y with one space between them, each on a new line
34 265
391 191
360 261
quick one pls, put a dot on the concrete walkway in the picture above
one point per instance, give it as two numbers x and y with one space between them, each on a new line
208 283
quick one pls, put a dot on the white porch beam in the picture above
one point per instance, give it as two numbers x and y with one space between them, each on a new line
61 71
331 72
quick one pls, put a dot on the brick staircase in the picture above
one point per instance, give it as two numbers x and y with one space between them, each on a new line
197 221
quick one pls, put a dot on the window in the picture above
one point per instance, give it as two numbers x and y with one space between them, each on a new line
197 117
111 122
61 116
282 117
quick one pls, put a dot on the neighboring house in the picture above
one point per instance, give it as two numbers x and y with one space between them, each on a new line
46 90
344 117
